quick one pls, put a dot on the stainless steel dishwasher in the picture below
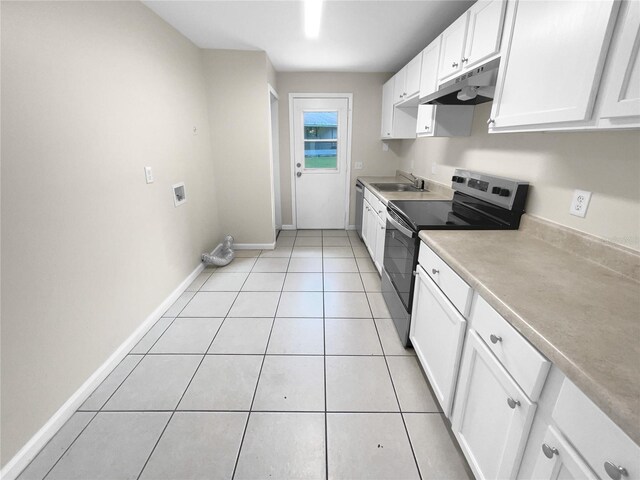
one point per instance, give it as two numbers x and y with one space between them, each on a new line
359 201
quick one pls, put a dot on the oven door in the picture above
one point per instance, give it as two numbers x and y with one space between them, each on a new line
400 257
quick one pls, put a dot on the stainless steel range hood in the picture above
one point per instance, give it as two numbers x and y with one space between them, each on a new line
474 87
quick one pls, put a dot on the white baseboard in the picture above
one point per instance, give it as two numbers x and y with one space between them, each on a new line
21 459
288 227
255 246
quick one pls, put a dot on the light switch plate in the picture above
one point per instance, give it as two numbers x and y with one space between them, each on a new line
434 168
148 174
358 166
580 203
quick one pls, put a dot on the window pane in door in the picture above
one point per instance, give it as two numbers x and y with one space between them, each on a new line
320 140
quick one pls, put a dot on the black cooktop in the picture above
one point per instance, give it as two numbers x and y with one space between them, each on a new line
463 212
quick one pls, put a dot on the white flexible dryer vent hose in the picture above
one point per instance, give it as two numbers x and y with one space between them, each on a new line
221 256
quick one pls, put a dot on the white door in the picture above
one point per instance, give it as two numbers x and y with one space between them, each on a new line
320 158
491 415
437 334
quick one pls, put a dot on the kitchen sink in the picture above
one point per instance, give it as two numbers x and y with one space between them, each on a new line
397 187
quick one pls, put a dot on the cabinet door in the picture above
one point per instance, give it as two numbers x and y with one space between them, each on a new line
453 39
554 63
622 93
429 68
380 234
365 221
558 460
399 90
491 415
412 80
437 333
484 31
387 109
371 232
424 125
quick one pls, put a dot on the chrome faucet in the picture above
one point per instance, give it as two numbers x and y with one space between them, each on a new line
417 182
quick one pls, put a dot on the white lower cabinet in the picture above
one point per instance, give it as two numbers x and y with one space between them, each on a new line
381 226
437 334
558 460
491 416
373 227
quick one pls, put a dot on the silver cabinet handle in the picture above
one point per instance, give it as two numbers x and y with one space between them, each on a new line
548 451
426 127
299 174
616 472
454 64
465 60
382 228
513 403
495 338
298 165
491 121
435 271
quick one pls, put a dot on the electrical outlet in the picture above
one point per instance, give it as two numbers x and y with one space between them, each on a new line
195 130
580 203
385 147
358 166
148 174
434 168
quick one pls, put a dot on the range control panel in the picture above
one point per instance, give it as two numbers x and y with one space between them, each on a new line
503 192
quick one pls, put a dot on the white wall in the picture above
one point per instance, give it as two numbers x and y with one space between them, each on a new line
91 93
366 146
605 163
239 118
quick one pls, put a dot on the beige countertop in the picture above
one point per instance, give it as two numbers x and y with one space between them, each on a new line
434 191
583 316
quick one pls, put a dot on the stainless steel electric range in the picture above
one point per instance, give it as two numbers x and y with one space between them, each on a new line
480 202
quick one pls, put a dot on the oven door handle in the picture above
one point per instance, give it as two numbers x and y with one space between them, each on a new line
402 228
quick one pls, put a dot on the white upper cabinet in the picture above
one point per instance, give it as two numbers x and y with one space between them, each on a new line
621 91
387 109
484 31
453 47
399 85
429 70
407 81
472 38
550 72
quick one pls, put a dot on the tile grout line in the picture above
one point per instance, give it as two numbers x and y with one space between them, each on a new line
255 390
324 363
66 449
404 424
180 399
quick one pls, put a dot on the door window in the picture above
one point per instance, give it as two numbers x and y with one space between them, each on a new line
321 140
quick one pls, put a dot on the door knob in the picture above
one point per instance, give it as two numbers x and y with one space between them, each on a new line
298 165
299 174
513 403
548 451
615 471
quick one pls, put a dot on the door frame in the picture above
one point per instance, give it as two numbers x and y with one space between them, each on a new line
349 98
274 157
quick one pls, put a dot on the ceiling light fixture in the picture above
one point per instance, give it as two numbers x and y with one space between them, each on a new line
312 17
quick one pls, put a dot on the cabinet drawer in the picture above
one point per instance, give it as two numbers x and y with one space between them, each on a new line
525 364
449 282
593 434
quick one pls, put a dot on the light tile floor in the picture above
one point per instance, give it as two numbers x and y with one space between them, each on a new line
283 365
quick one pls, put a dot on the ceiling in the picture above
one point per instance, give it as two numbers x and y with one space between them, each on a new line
355 36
